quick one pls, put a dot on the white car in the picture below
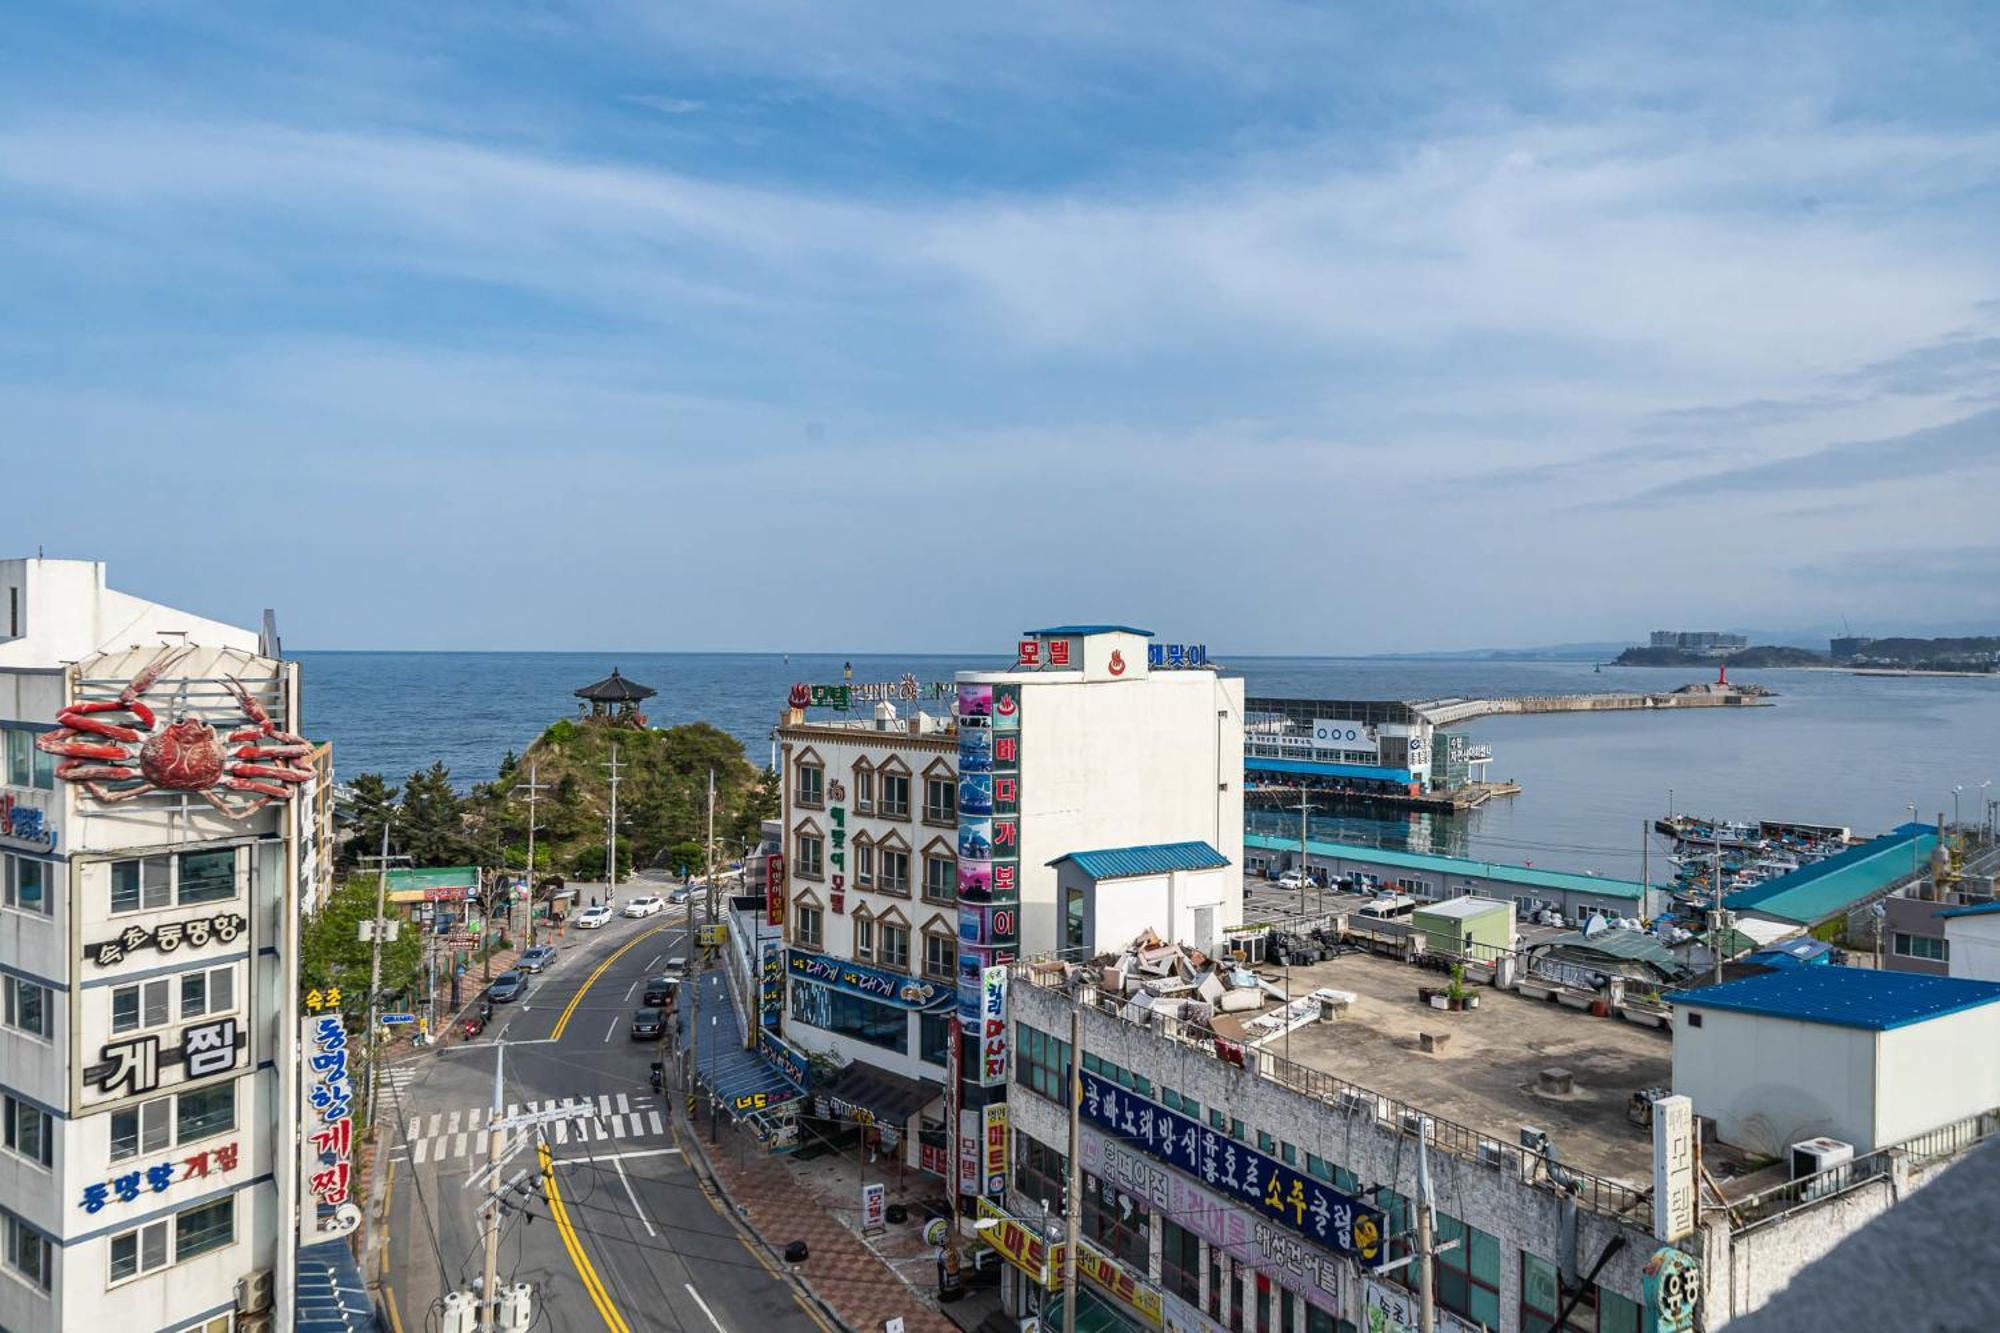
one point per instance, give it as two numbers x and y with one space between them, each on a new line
645 905
590 918
1291 879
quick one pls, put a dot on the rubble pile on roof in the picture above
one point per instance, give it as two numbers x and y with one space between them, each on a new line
1176 981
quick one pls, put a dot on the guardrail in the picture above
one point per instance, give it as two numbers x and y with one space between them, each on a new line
1946 1141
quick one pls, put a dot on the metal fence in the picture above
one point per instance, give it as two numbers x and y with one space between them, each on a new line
1947 1141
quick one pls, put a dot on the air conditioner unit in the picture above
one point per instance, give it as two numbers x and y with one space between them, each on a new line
1491 1153
253 1323
1349 1102
253 1292
1817 1157
1410 1122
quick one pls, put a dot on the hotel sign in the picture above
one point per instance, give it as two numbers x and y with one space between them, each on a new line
1673 1168
1266 1187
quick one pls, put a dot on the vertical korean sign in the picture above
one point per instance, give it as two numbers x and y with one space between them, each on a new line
1673 1168
326 1130
989 846
775 889
993 1027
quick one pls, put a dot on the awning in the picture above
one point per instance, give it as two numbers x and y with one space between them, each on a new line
332 1298
743 1080
887 1098
1094 1314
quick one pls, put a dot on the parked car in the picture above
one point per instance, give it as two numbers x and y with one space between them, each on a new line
679 895
1291 879
660 990
535 959
508 986
590 918
645 905
649 1024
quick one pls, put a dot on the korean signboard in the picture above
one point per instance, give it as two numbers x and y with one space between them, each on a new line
1059 654
781 1056
993 1027
326 1126
133 1066
198 933
1041 1259
1672 1283
1176 656
994 1147
771 987
140 1184
25 826
873 983
775 889
1673 1167
1268 1188
989 845
874 1206
844 696
968 1152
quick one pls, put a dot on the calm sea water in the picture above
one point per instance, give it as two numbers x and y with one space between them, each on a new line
1834 749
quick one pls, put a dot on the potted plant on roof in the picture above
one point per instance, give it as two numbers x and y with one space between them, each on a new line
1458 995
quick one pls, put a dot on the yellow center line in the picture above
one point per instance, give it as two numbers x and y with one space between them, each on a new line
591 1283
591 980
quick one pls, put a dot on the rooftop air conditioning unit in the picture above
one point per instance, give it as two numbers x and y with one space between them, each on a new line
1349 1102
1491 1153
253 1292
253 1323
1820 1162
1410 1122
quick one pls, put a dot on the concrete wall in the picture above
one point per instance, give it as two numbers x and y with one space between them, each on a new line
1975 946
68 613
1769 1082
1116 911
1908 916
1932 1073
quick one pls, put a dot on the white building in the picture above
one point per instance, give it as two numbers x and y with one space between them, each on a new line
1972 941
147 956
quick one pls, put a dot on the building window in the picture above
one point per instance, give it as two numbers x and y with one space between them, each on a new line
207 877
28 1131
1596 1310
809 928
864 788
895 872
209 1227
24 1006
895 803
141 1005
895 951
26 766
27 1253
934 1038
211 1110
1117 1222
809 786
27 884
864 864
210 991
1927 947
940 878
1180 1263
940 800
140 1251
1468 1274
145 1128
1040 1172
141 885
852 1016
864 936
1041 1063
806 860
940 956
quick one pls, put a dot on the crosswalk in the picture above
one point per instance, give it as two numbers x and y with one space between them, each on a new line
440 1136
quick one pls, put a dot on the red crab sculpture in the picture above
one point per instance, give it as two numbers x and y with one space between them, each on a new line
185 755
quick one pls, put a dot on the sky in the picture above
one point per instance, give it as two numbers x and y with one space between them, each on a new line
822 326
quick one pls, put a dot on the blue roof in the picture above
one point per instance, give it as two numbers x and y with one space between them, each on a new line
1627 889
1976 909
1088 629
332 1298
1370 772
1793 953
1825 889
729 1069
1848 997
1154 859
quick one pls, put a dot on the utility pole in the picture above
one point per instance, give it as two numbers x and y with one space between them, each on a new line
1426 1286
534 790
1304 873
611 833
375 968
489 1294
1645 865
1073 1169
1715 925
711 845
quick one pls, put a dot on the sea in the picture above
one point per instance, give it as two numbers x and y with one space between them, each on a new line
1833 748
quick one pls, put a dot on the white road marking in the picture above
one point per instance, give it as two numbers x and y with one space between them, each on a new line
437 1120
503 1030
613 1028
562 1132
624 1104
417 1151
454 1123
656 961
458 1145
628 991
654 1116
617 1156
604 1104
704 1307
631 1194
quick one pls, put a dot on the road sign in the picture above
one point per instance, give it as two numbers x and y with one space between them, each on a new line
391 1020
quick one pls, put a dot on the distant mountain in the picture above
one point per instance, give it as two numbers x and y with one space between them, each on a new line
1554 652
1757 655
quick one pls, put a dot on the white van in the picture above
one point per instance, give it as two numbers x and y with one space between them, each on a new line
1390 907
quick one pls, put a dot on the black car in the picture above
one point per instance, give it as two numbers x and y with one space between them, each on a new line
508 986
660 990
535 959
649 1024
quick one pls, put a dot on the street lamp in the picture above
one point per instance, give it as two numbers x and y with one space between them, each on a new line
1954 803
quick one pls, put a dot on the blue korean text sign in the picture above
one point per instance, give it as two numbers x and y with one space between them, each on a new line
1263 1184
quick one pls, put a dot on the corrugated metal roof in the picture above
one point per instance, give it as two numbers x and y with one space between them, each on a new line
1825 889
1976 909
1848 997
1635 945
1458 909
332 1298
1626 889
1318 768
1153 859
1089 629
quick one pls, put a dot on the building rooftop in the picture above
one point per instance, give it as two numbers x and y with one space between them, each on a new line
1825 889
1849 997
1460 908
1157 858
1454 865
1057 631
615 689
1976 909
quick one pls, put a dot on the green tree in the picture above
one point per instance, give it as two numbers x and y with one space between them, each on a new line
374 803
332 952
430 826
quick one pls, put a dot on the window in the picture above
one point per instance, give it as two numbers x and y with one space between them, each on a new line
895 872
20 745
1922 946
864 937
143 1250
141 1005
940 878
1596 1310
210 991
940 800
808 926
853 1016
864 788
806 861
209 1227
1319 1168
141 885
1116 1221
145 1128
809 785
25 1007
1468 1274
934 1036
895 951
27 1252
207 877
1288 1154
27 884
1180 1262
940 956
895 803
864 864
28 1131
1040 1172
212 1110
1266 1144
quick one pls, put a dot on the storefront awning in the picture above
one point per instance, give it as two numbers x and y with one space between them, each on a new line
888 1098
1094 1314
743 1080
332 1298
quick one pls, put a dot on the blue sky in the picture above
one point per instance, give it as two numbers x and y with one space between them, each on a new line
828 326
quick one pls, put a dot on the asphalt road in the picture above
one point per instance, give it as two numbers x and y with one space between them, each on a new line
628 1238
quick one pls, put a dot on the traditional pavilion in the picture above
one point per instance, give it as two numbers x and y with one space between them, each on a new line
617 698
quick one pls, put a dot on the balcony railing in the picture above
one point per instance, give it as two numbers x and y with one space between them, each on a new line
1942 1143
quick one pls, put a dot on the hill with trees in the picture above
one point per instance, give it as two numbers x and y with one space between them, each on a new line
1757 655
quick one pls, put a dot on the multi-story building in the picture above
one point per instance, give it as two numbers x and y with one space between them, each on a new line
1708 642
148 1047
